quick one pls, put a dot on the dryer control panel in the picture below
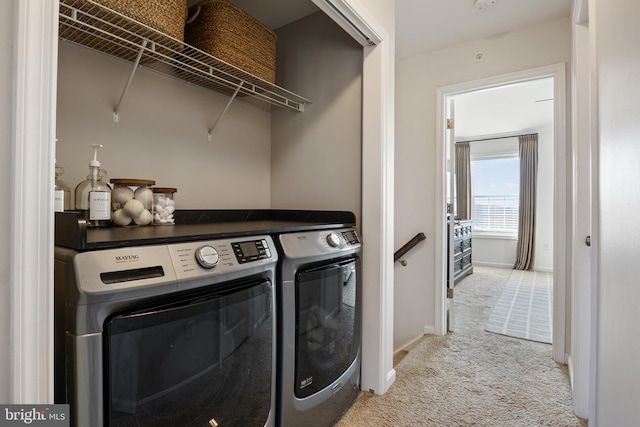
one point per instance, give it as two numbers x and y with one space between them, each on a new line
320 242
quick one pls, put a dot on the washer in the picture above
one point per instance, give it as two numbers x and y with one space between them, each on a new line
167 334
319 321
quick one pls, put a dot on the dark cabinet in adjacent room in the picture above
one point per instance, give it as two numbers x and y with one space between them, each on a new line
462 266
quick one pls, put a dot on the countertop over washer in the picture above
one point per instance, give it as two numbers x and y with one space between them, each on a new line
71 229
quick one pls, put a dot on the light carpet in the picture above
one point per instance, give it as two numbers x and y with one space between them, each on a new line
525 307
472 377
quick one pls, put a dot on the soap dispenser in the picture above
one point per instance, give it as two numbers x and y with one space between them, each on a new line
62 193
93 195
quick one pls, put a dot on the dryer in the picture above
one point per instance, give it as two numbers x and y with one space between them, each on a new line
319 290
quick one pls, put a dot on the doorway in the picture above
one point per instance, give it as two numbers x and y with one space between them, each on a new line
558 236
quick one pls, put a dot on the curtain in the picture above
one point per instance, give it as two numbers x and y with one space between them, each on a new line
463 180
527 203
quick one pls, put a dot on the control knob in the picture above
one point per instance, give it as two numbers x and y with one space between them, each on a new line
207 256
333 240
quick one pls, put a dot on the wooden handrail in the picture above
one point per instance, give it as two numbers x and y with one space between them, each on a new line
408 246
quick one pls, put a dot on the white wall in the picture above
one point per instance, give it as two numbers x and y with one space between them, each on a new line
6 88
317 155
617 56
543 251
417 79
492 251
162 133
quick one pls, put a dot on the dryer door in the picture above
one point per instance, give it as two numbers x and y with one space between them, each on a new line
327 324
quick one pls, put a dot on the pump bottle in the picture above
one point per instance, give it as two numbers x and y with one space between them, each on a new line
93 196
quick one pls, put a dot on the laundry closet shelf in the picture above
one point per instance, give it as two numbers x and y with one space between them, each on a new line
94 26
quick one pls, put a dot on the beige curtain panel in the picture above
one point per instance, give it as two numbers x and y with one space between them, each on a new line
527 204
463 180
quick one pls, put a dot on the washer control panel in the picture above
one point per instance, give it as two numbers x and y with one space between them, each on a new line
207 256
251 250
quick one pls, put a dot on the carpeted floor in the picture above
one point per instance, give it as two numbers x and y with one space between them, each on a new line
472 377
525 307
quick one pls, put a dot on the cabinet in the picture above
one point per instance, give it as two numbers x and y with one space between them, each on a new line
462 238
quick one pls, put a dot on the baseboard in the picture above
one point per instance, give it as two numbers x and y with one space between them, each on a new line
391 378
492 264
429 330
408 346
570 368
509 266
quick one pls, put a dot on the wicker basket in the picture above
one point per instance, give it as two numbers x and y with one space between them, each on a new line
230 34
166 16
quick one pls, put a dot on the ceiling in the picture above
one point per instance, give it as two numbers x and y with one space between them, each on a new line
426 25
516 108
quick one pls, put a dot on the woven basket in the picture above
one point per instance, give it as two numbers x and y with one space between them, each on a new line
166 16
163 16
230 34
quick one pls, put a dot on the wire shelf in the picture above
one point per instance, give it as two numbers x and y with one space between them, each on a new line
94 26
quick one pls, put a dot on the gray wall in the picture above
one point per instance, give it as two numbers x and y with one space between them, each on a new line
317 155
6 153
162 133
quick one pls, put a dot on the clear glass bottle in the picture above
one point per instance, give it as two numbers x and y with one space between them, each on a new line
93 196
82 191
62 193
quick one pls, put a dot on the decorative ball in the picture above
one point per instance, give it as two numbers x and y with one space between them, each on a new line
121 194
121 218
145 195
133 208
144 218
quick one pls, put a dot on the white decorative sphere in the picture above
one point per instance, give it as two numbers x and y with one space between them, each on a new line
121 194
145 195
133 208
121 218
144 218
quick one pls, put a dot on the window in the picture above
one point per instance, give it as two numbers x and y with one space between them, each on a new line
495 190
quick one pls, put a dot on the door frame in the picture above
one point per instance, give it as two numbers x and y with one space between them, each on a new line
561 227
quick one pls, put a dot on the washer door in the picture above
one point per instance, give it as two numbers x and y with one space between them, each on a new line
199 358
327 324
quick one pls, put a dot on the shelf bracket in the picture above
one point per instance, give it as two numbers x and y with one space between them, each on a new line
116 111
209 137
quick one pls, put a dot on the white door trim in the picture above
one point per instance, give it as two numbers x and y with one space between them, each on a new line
31 267
378 83
560 220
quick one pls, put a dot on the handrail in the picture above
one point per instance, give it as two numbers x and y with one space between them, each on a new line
408 246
